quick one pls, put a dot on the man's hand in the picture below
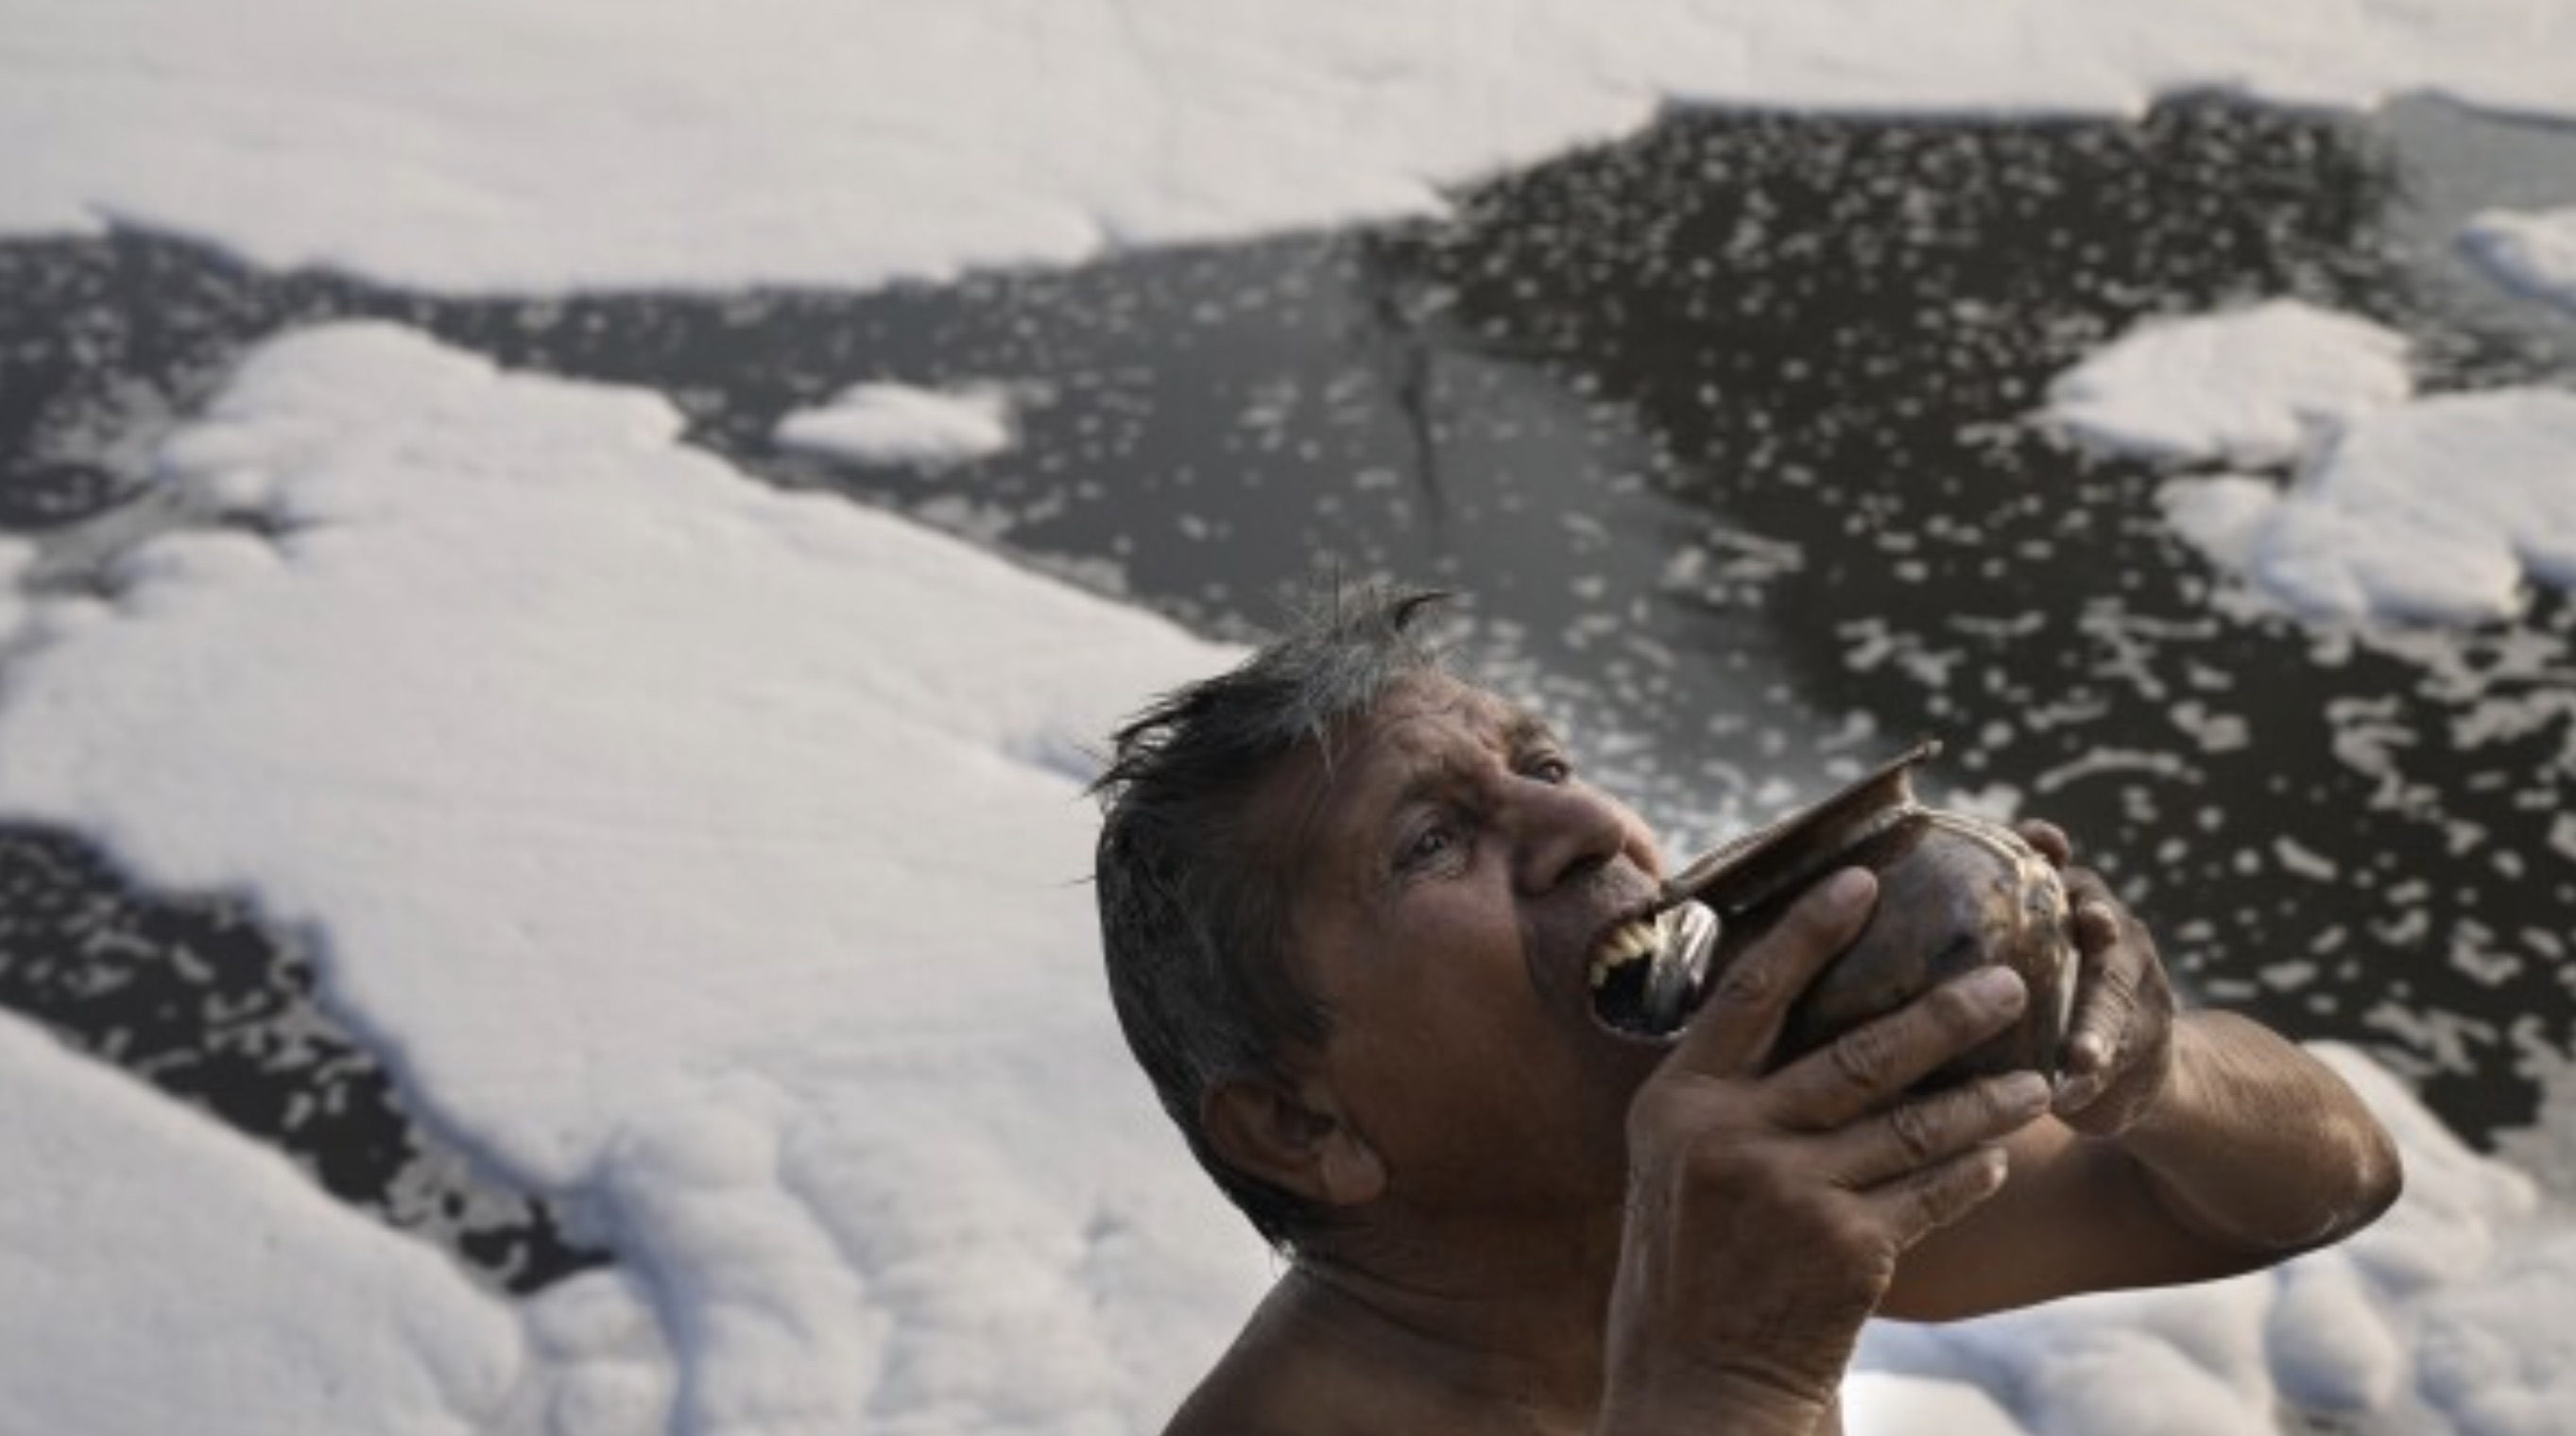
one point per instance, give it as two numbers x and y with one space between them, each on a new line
1766 1213
2119 1053
2186 1146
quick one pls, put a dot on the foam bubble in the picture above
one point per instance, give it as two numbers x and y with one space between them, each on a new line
2533 251
901 424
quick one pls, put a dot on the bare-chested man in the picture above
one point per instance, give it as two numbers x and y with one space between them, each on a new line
1349 902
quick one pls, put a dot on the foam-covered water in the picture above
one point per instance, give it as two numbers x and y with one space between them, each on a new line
615 794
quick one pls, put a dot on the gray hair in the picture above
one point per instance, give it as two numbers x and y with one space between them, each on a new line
1197 919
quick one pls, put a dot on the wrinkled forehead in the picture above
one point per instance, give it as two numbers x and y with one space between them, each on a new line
1329 794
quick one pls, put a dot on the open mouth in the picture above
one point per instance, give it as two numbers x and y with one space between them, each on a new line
1647 973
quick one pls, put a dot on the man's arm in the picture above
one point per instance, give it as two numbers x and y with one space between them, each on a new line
2184 1147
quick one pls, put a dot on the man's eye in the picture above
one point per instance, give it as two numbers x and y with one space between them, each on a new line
1429 846
1552 769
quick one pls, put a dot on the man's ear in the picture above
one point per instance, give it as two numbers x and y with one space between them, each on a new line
1295 1138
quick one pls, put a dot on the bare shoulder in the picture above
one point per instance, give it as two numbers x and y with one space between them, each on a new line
1290 1374
1241 1398
1269 1388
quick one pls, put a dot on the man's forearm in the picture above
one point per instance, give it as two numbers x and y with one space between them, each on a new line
2258 1146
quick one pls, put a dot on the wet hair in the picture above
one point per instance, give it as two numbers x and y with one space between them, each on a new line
1194 878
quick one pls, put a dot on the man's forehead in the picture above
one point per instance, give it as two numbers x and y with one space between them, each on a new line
1420 721
1418 695
1427 710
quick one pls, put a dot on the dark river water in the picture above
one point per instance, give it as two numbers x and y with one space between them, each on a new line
1726 434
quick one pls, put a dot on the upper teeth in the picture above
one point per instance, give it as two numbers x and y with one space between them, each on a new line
1626 943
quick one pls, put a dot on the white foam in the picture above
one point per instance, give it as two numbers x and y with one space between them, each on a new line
2222 515
2448 1316
2331 1349
1882 1403
16 555
901 424
709 854
2481 1361
162 1274
480 145
2533 251
2547 1147
2247 388
2440 509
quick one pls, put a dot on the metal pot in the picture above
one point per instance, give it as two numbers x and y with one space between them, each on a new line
1956 892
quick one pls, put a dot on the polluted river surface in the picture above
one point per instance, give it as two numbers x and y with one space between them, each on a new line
1728 436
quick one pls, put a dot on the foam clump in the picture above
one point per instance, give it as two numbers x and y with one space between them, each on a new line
165 1274
2496 1356
2247 388
901 424
2530 251
613 145
1882 1403
2439 509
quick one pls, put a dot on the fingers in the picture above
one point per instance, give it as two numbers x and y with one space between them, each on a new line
1914 1207
1921 1134
1925 1164
2110 972
2119 1051
2049 839
1873 1064
1733 1030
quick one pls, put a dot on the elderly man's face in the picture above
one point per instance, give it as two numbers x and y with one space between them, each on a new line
1456 878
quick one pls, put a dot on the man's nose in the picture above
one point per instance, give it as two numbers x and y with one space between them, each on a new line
1562 832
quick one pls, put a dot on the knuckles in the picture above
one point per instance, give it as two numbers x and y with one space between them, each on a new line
1917 1129
1867 1057
1946 1195
1939 1127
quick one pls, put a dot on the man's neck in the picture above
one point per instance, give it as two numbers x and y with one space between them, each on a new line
1497 1322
